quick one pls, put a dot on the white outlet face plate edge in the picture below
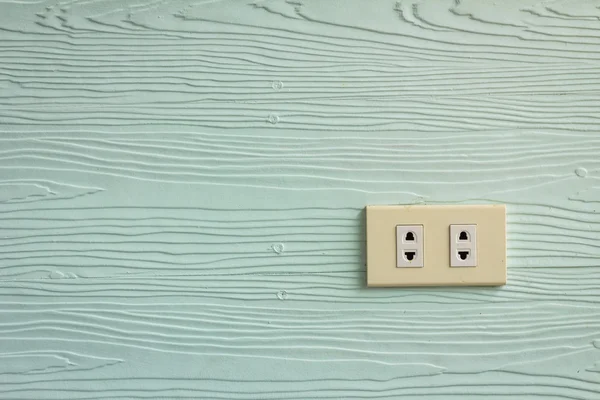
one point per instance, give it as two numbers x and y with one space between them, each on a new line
490 246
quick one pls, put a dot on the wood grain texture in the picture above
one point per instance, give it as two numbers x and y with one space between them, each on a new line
182 192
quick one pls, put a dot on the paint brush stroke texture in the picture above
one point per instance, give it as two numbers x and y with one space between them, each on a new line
182 187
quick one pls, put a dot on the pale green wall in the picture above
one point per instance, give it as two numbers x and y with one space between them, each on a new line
182 186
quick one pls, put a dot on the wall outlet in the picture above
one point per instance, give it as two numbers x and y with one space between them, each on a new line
409 246
463 245
441 248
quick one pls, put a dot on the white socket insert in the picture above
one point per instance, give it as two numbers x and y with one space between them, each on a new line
409 246
463 245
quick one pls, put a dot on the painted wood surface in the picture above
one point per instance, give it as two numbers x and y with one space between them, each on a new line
182 186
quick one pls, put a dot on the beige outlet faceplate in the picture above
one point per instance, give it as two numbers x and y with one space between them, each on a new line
490 221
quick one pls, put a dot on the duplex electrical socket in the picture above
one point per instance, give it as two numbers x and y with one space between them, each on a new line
441 248
463 245
409 246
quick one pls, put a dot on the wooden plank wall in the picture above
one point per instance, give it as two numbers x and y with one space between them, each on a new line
182 192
